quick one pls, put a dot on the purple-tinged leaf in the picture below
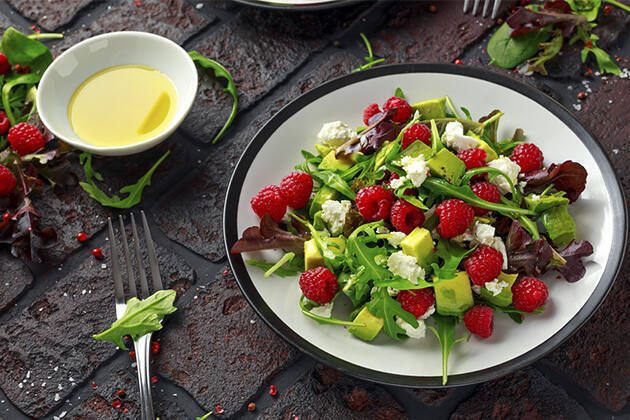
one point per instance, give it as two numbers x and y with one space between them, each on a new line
526 20
574 268
268 236
569 177
380 130
524 255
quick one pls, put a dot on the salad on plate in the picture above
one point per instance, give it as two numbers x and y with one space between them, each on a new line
422 218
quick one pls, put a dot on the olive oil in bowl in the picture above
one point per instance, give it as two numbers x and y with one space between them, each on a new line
122 105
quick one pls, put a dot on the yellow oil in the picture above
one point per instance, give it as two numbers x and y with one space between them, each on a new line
122 105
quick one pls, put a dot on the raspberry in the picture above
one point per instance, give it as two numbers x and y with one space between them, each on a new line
296 189
528 294
4 64
403 110
473 158
455 217
269 200
486 191
528 156
7 181
483 265
405 216
369 112
478 320
374 203
25 138
417 301
416 132
4 123
319 284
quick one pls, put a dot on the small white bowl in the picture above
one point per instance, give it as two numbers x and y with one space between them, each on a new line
71 68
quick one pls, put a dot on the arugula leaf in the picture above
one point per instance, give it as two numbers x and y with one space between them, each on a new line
452 255
604 62
588 8
23 79
20 49
286 269
204 417
134 191
370 58
512 312
141 317
619 5
493 173
548 50
467 113
436 142
336 182
508 52
215 69
446 335
399 93
384 306
325 321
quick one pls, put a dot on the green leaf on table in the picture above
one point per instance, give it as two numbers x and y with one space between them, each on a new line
384 306
141 317
548 50
370 58
604 62
446 335
588 8
134 191
20 49
508 52
214 69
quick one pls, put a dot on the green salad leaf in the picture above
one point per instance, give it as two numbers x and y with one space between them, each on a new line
134 191
386 307
399 93
282 268
451 256
508 52
445 333
323 320
23 50
604 62
12 102
334 181
215 69
141 317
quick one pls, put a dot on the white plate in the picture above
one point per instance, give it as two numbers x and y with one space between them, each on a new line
600 216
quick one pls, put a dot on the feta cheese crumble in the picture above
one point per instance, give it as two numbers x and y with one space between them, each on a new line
382 229
335 133
476 288
509 168
392 292
484 233
497 243
416 168
535 197
429 312
496 286
411 331
398 182
454 137
396 238
324 310
405 266
334 215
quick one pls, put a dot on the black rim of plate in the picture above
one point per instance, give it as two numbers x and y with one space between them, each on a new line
313 5
611 269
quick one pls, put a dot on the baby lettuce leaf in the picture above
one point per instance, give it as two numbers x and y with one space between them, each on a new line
20 49
268 236
573 270
569 177
587 8
214 69
445 333
526 20
141 317
527 256
288 269
12 107
323 320
451 255
548 50
384 306
604 62
336 182
509 52
134 191
399 93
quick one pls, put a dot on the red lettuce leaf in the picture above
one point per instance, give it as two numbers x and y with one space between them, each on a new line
27 239
524 255
526 20
268 236
380 130
574 268
569 177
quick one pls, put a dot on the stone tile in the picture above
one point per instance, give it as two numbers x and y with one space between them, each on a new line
258 58
325 393
48 348
50 14
192 215
15 279
433 397
413 34
5 22
218 335
523 394
596 357
173 19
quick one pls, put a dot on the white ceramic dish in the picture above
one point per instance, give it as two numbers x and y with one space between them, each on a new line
84 59
600 216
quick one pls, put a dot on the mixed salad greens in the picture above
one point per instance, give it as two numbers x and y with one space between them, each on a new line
378 222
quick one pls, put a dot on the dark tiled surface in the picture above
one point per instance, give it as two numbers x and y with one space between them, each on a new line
215 350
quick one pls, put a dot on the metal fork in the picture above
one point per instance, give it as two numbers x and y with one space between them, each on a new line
486 5
142 344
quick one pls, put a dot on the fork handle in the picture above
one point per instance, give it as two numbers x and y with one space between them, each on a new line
143 347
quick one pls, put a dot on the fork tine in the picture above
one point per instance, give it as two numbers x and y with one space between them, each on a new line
486 5
155 270
495 8
119 291
475 7
466 5
144 286
131 278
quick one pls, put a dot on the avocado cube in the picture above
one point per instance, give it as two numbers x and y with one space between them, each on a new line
331 163
381 155
447 165
313 258
545 202
416 149
490 152
505 297
324 194
419 244
453 296
373 325
559 225
431 109
322 149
